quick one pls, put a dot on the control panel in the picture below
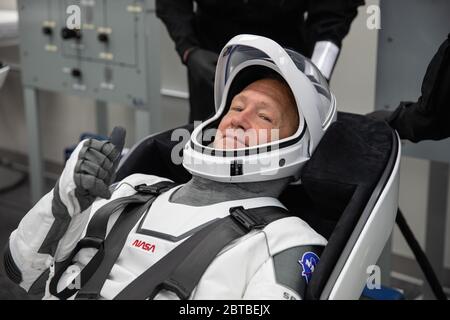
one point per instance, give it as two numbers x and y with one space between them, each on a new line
105 56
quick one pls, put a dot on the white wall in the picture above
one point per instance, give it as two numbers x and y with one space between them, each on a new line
8 4
353 81
64 118
413 191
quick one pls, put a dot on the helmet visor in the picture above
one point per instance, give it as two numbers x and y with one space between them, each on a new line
235 56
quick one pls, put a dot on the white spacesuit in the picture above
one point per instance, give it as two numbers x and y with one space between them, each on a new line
272 262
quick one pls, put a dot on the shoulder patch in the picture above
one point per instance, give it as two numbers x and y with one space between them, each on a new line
294 267
308 262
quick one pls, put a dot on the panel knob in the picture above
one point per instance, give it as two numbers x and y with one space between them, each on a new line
76 73
103 37
48 31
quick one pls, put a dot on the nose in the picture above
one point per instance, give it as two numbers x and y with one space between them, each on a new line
241 120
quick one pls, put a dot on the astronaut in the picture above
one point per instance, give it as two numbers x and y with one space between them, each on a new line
273 107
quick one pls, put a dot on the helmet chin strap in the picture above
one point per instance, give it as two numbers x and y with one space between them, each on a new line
200 191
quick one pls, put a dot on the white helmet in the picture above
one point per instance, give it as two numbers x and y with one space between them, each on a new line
245 55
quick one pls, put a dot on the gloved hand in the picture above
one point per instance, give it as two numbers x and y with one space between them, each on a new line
91 169
202 63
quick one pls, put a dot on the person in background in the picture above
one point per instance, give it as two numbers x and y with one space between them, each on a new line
428 117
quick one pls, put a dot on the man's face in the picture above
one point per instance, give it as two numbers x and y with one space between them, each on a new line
264 111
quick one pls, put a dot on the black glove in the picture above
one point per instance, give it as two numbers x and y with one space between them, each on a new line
95 168
202 63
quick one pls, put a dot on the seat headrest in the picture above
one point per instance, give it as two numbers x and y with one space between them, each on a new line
353 153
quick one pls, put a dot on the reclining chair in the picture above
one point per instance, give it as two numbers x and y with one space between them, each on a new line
348 193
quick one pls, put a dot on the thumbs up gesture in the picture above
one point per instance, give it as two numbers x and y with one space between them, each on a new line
97 162
91 168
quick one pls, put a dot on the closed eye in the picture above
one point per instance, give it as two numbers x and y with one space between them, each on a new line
265 118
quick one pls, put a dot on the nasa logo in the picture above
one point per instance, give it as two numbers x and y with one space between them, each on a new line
308 262
149 247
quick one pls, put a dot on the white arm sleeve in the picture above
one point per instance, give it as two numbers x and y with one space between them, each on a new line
46 234
324 57
49 231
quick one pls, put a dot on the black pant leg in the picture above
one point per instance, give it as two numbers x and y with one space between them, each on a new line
201 97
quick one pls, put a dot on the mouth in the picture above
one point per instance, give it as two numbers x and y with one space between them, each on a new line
231 142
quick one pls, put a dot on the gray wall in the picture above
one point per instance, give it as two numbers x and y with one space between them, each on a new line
64 118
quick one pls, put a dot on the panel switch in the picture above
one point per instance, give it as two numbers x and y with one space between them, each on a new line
68 34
